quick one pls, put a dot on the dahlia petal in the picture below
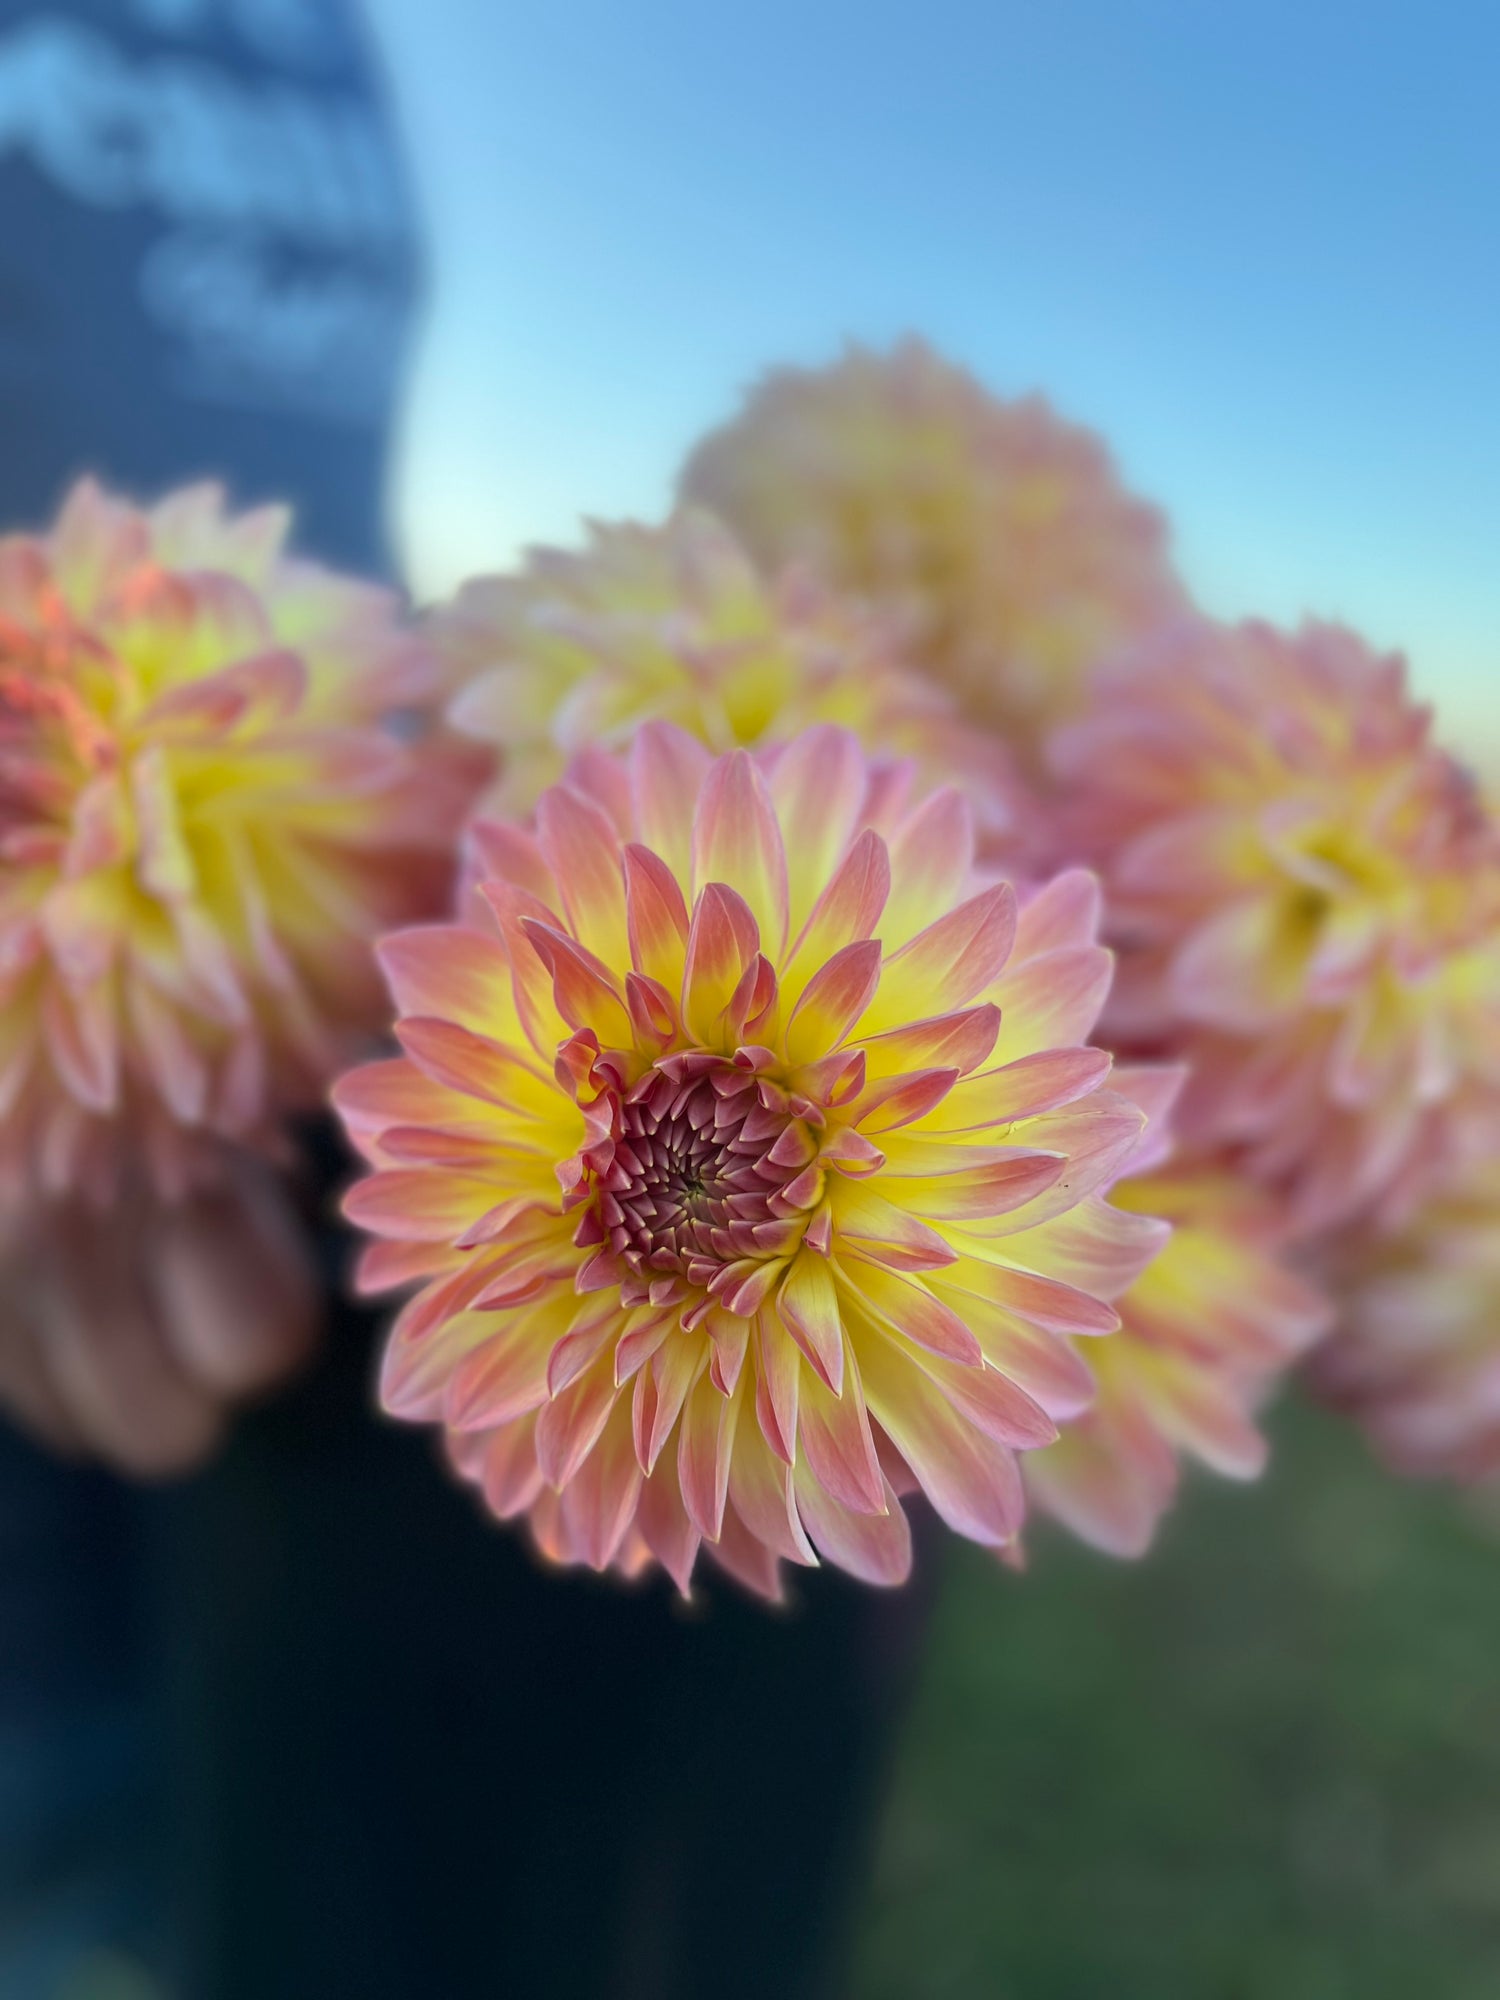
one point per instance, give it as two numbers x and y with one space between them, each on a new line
418 1204
1109 1498
666 1526
250 696
848 910
500 852
382 1267
1053 1001
818 786
501 1377
530 982
578 842
1011 1182
950 963
1061 916
178 1070
875 1547
809 1308
723 940
509 1473
904 1100
660 1392
992 1402
1045 1365
1097 1141
657 917
913 1312
1044 1301
958 1041
572 1422
1101 1249
760 1493
471 1064
737 840
748 1561
593 1328
667 772
448 972
705 1447
777 1386
1022 1089
836 1447
833 1000
891 1234
583 990
83 1044
970 1479
932 852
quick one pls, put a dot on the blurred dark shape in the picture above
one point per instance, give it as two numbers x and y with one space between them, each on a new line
310 1726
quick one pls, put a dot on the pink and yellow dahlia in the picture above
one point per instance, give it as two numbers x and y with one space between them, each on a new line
1416 1356
1305 892
204 824
750 1163
996 533
673 624
1205 1333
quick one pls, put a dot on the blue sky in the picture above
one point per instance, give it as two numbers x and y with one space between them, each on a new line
1257 244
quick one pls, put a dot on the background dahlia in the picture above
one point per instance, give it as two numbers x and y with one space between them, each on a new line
1415 1358
674 624
997 534
1206 1332
204 822
751 1164
1305 895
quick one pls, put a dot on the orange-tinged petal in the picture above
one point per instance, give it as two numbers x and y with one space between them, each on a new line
953 961
833 1001
737 840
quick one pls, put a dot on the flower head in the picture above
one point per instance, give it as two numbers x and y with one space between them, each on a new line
1305 894
750 1164
1205 1333
995 531
674 624
1416 1356
203 826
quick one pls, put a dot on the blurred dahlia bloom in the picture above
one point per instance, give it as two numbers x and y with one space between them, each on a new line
1205 1333
1305 894
204 823
674 624
1416 1356
997 534
751 1163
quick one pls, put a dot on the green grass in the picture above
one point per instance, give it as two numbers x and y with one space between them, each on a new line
1264 1764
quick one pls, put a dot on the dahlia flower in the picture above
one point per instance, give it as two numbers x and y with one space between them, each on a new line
1416 1355
750 1165
203 826
1205 1332
674 624
995 532
1305 894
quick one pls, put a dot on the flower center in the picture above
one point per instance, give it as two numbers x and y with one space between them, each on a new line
707 1174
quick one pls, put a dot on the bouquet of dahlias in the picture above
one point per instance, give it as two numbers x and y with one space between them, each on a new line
915 1008
208 813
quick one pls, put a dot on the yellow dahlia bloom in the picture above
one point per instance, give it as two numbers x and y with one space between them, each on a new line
203 824
751 1164
1416 1356
1305 892
673 624
1205 1332
995 532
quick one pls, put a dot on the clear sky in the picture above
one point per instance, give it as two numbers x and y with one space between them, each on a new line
1257 242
